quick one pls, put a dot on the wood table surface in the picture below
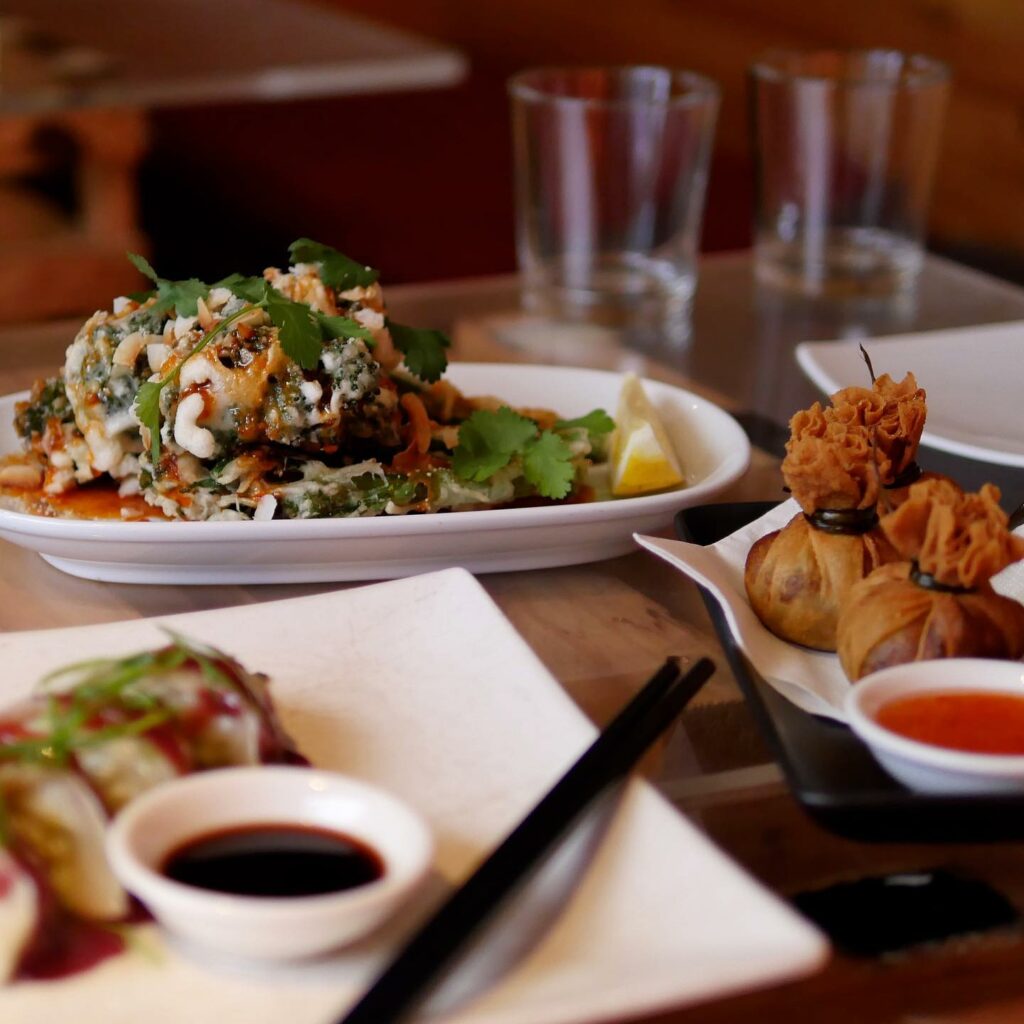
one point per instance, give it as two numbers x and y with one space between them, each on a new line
602 628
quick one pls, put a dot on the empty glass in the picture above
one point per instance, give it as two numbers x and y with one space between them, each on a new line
611 166
845 146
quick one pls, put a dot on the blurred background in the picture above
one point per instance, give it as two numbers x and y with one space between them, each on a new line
418 181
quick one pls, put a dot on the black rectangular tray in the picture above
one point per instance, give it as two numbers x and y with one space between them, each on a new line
829 770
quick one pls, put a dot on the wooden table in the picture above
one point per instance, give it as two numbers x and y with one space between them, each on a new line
602 628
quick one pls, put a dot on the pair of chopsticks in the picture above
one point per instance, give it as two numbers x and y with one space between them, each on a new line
608 759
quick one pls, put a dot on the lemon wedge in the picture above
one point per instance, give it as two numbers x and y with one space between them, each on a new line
642 457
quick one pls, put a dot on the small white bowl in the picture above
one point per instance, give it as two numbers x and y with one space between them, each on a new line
274 928
923 766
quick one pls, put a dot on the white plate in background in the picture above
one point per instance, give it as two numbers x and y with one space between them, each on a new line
974 378
711 445
422 686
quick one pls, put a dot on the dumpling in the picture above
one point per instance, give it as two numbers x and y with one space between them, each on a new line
937 601
100 734
798 577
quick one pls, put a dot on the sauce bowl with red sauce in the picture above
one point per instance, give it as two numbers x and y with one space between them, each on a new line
269 863
954 725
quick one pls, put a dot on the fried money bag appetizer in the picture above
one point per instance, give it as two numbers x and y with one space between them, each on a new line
937 601
895 411
797 577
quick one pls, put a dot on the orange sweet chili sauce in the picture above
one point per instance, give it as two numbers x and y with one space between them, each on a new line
979 723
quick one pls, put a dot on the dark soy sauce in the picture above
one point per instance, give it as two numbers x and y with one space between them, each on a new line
273 861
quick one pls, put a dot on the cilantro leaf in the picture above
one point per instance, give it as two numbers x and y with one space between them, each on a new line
488 440
299 325
336 269
343 327
423 350
143 266
181 296
147 409
298 329
595 423
548 465
290 317
251 289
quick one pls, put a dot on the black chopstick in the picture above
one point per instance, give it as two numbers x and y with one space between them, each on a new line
608 759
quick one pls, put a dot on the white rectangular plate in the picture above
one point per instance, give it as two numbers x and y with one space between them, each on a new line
423 687
974 378
711 445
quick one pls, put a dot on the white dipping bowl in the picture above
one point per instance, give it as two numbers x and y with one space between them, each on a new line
267 928
923 766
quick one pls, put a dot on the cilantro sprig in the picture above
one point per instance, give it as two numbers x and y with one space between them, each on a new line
181 296
336 269
489 440
302 328
548 465
423 350
596 423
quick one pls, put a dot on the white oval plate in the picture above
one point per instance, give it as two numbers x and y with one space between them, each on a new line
710 443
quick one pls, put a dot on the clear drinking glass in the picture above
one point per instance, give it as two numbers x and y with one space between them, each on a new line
845 146
611 166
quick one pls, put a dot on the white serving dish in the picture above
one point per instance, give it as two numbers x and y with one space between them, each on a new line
422 687
922 766
812 680
150 828
711 445
974 377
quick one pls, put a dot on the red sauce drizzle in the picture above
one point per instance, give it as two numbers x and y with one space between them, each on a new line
980 723
99 500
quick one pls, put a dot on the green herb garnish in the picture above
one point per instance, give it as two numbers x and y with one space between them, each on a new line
336 269
297 326
100 684
489 440
343 327
283 311
181 296
596 423
423 350
548 465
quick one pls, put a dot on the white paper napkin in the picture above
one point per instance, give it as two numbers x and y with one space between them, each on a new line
813 680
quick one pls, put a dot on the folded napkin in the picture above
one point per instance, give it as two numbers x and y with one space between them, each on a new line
813 680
